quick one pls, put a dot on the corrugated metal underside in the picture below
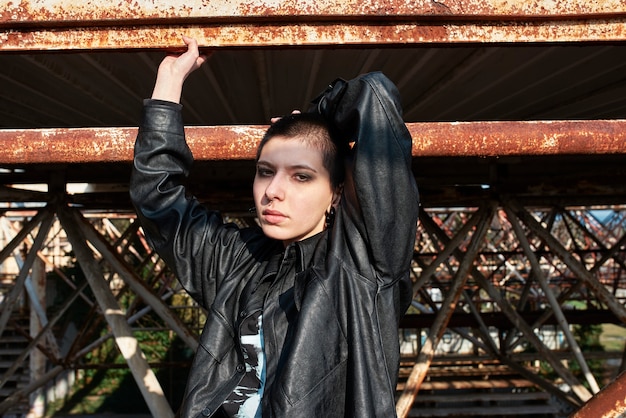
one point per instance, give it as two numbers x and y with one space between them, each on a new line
79 64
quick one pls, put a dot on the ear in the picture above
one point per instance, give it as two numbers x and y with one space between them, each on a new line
337 196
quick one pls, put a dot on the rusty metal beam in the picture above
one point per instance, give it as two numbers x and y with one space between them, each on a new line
68 11
609 403
441 139
345 33
81 24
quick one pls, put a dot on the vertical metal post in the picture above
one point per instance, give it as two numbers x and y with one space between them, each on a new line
7 304
37 359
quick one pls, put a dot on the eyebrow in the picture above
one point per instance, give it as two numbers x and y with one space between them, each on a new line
291 167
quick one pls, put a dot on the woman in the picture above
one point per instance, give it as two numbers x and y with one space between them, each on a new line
302 312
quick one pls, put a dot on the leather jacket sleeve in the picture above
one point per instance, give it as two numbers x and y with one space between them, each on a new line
191 239
380 198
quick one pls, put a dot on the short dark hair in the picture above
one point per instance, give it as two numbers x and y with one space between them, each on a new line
312 129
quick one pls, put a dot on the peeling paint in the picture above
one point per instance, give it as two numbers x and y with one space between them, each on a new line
307 34
56 11
482 139
124 24
608 403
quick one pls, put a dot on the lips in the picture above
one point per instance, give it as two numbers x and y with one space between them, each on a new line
273 216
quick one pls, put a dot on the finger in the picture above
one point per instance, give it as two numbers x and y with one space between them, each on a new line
192 45
204 57
189 40
277 118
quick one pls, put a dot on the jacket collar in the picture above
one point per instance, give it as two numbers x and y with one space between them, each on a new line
304 253
305 250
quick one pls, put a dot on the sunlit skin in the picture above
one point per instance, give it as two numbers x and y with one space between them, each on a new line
292 190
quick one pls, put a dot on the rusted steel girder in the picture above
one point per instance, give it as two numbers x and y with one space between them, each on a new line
347 32
609 403
27 11
439 325
128 346
440 139
81 24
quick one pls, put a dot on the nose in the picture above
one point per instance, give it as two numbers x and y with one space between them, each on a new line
275 189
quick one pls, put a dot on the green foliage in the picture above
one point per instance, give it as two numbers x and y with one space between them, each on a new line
104 383
613 337
588 338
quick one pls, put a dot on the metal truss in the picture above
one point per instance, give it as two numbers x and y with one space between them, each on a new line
495 277
503 273
110 262
499 287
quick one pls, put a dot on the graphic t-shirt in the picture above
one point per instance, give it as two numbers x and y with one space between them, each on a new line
245 400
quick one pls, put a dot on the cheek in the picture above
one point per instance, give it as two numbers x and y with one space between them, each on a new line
316 203
256 189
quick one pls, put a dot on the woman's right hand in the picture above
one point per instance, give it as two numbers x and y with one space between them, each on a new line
174 70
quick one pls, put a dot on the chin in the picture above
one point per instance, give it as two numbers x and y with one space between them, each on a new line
273 232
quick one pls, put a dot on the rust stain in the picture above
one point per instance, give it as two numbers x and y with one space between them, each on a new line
347 32
325 9
224 143
55 11
610 402
481 139
493 139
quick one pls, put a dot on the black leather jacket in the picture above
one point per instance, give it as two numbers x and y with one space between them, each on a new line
331 310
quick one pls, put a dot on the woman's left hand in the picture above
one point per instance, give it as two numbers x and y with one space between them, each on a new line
174 70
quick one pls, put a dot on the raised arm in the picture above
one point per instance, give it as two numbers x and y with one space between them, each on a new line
380 197
190 238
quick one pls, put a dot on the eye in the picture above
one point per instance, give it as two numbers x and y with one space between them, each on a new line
264 172
301 177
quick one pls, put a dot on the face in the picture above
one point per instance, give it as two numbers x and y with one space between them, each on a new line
292 190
